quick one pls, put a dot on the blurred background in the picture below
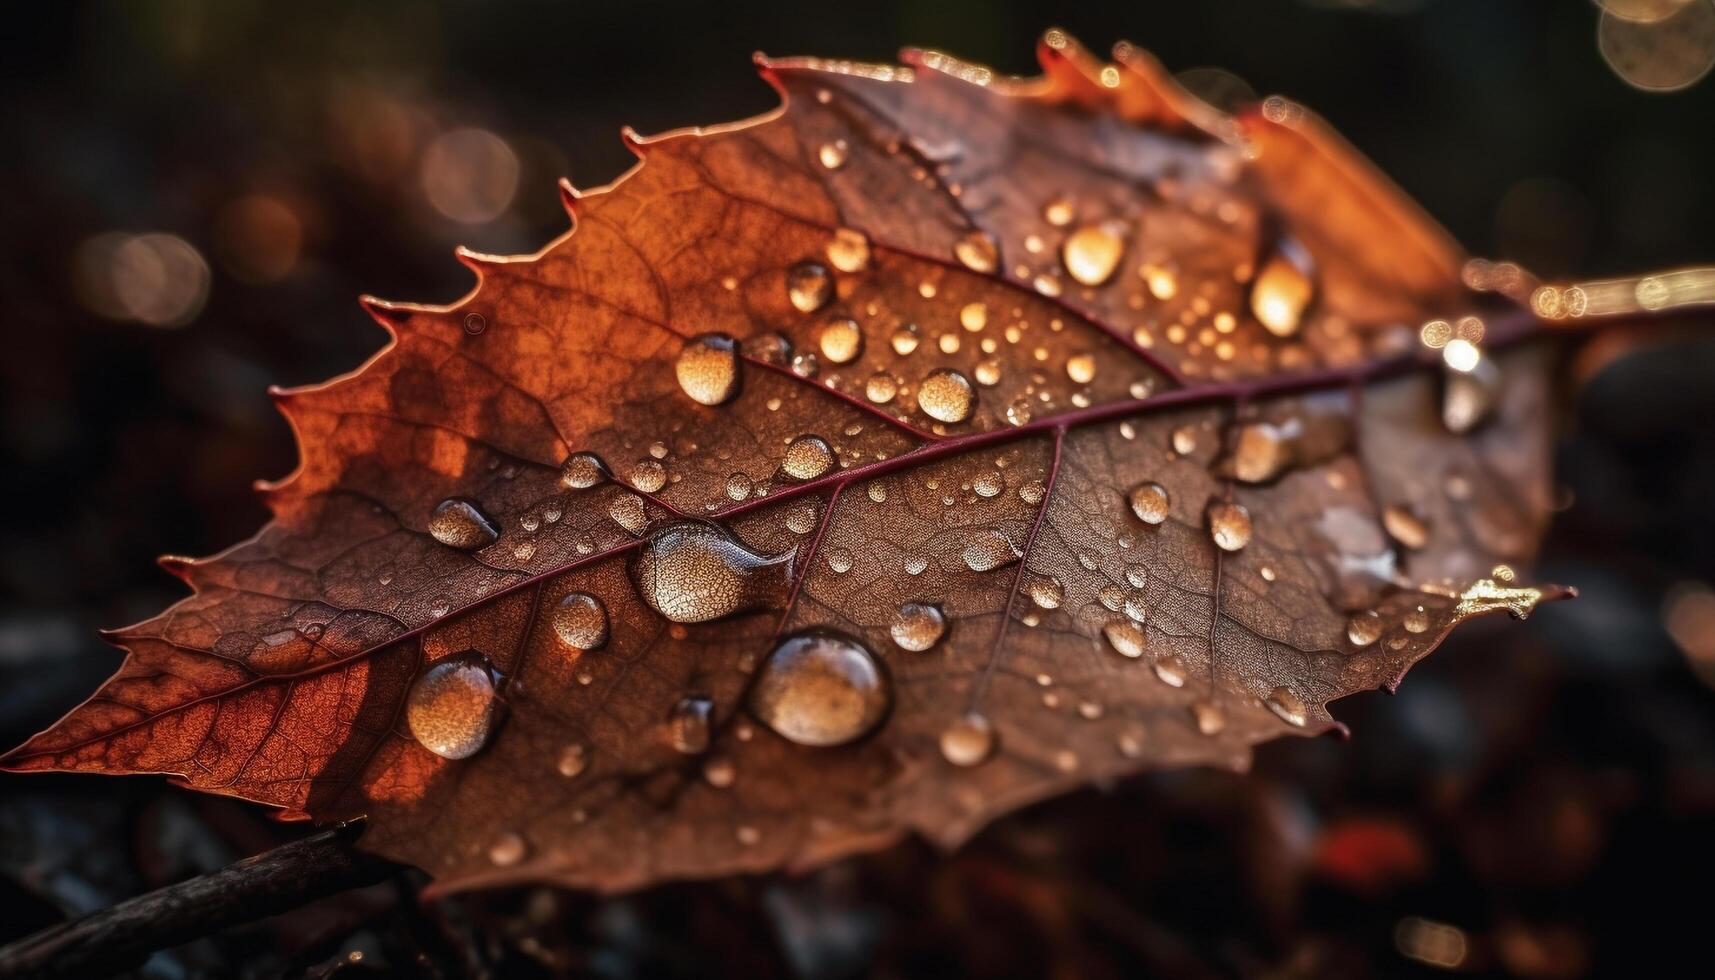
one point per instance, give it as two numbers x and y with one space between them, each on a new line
195 193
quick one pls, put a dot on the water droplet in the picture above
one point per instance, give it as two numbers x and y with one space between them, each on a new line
833 154
1184 440
1059 212
916 565
906 338
877 492
1126 637
1111 596
917 626
820 689
1136 577
1032 492
1283 289
1093 252
1364 629
649 475
771 347
573 760
1046 592
1149 502
738 486
581 471
692 572
688 727
1081 368
978 252
880 388
719 772
1416 621
1289 707
1260 452
849 251
457 523
946 396
1018 411
989 484
809 287
990 550
840 560
1405 527
747 835
708 368
1208 718
580 620
974 316
1469 396
802 518
1170 670
841 340
807 457
508 849
970 741
628 512
1163 284
453 706
1229 525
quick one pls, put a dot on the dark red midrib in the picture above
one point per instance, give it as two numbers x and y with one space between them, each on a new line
1514 327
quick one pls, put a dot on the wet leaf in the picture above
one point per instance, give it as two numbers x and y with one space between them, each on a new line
935 444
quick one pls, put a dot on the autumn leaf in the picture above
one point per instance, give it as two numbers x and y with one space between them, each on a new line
934 444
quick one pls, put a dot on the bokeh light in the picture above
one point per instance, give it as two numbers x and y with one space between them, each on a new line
470 175
154 278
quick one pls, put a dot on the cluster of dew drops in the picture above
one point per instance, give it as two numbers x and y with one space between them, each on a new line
820 688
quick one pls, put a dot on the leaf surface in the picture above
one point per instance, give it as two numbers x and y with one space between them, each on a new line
976 322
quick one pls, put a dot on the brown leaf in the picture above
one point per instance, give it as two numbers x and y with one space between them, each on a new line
1072 428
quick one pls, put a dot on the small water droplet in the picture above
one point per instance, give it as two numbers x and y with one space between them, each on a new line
1093 252
1209 719
833 154
946 396
1468 397
1289 707
849 250
841 340
649 475
1149 502
1170 670
1136 576
1260 452
1364 629
573 760
970 741
978 252
989 484
906 338
839 560
990 550
916 565
820 689
974 316
1416 621
807 457
1229 525
801 519
457 523
771 347
809 287
1018 411
1032 492
692 572
1046 592
628 512
917 626
688 727
508 849
1126 637
1283 289
1405 527
1081 368
708 368
738 486
719 772
1059 212
877 492
880 388
1163 284
580 620
453 706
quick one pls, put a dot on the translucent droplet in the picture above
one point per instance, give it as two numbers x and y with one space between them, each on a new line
1126 637
628 512
1163 284
1170 670
990 550
839 560
708 368
832 154
457 523
1209 719
1364 629
1416 621
453 706
905 339
649 475
692 572
917 626
771 347
1260 452
580 621
1111 596
1664 55
978 252
801 519
1289 707
820 689
688 727
807 457
1149 502
1405 527
1059 212
809 287
508 849
1081 368
1092 253
1469 396
1018 411
1184 440
1032 492
581 471
989 484
946 396
880 388
974 316
1229 525
1283 289
573 760
719 772
841 340
849 251
738 486
970 741
988 372
1047 592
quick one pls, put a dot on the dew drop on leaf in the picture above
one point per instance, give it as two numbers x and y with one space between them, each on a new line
832 154
581 471
1184 440
1170 671
820 689
801 519
1364 629
989 484
970 741
1149 502
688 728
1260 453
573 760
1283 289
974 316
841 340
708 369
453 706
807 457
809 287
458 523
580 621
946 396
978 252
649 475
1046 592
849 251
628 512
906 338
1081 368
1126 637
508 849
738 487
918 626
1092 253
1210 720
880 388
1229 525
1405 527
691 572
1289 707
990 550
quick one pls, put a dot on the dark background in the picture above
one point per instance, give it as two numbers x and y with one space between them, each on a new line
1539 799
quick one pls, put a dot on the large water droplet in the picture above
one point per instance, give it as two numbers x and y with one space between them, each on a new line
581 471
841 340
1149 502
688 727
1046 592
990 550
580 621
807 457
692 572
1364 629
457 523
809 287
969 741
1283 289
628 512
1229 525
978 252
1126 637
946 395
849 251
1093 252
708 368
820 689
453 706
918 626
